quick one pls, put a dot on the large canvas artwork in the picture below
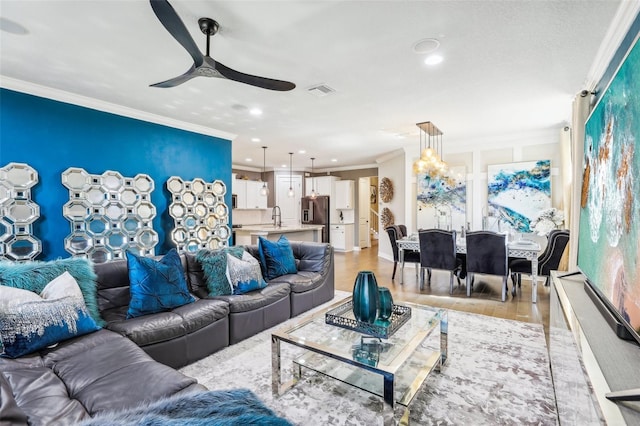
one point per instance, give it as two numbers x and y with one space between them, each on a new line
608 246
518 193
442 201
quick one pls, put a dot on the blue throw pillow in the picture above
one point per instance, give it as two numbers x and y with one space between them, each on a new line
244 274
29 322
276 257
156 286
214 266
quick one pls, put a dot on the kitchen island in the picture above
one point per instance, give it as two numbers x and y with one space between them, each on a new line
249 234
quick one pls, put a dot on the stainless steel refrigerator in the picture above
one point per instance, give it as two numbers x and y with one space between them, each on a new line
316 211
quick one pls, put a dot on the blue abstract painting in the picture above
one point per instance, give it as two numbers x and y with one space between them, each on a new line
439 196
518 193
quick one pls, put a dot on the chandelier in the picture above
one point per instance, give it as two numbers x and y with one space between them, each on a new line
430 161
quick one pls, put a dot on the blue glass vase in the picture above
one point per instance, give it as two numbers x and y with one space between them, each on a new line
365 297
385 304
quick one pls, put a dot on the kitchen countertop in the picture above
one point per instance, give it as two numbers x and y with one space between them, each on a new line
270 229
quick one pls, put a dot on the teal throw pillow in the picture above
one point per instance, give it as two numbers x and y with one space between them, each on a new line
214 265
35 275
156 286
244 274
276 257
29 322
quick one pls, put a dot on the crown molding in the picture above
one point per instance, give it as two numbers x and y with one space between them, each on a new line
620 24
99 105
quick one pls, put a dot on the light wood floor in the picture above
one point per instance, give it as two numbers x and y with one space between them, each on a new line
485 298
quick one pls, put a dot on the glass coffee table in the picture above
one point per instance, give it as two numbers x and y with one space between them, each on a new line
392 368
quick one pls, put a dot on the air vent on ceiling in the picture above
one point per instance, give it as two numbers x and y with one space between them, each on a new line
321 90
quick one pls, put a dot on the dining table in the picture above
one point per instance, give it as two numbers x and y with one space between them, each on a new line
522 248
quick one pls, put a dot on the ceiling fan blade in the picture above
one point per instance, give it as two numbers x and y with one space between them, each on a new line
172 22
176 81
253 80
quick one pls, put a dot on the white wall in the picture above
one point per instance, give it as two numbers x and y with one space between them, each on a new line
393 167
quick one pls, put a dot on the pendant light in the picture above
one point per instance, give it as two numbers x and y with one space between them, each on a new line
430 161
313 190
291 193
264 191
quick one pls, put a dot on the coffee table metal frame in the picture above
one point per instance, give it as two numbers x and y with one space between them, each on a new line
389 372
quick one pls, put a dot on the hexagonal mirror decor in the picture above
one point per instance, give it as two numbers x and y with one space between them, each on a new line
191 205
18 213
109 214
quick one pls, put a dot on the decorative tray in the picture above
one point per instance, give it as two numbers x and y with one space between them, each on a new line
342 316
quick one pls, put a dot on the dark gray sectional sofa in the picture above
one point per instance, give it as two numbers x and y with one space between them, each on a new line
191 332
83 377
109 370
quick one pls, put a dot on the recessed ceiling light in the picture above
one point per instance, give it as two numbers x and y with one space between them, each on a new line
334 160
255 139
248 160
426 45
302 151
433 59
255 111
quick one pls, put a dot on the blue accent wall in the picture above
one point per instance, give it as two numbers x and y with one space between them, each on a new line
52 136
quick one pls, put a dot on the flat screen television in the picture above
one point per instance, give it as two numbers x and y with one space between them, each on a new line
609 237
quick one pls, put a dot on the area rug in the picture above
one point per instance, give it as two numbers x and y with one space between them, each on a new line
497 373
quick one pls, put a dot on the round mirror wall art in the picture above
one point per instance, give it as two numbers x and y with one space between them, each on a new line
386 217
109 214
200 215
18 213
386 190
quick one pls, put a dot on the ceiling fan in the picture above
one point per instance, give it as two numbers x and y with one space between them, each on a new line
204 65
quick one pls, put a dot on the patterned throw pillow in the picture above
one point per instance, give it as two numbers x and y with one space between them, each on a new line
156 286
244 274
214 265
29 322
35 275
276 257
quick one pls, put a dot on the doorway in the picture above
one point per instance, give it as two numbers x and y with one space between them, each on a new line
289 206
367 211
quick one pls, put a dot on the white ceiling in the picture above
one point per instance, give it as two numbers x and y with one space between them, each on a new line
509 67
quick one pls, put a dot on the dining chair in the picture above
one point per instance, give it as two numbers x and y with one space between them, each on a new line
548 261
410 256
438 251
487 253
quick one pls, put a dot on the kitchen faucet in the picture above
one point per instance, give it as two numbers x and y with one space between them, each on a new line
277 217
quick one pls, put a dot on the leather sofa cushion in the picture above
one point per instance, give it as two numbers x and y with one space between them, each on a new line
163 326
44 397
105 371
312 256
300 282
201 313
86 375
195 277
256 299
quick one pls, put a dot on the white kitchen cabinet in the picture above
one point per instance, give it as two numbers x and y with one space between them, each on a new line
344 195
254 199
342 237
324 185
248 194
